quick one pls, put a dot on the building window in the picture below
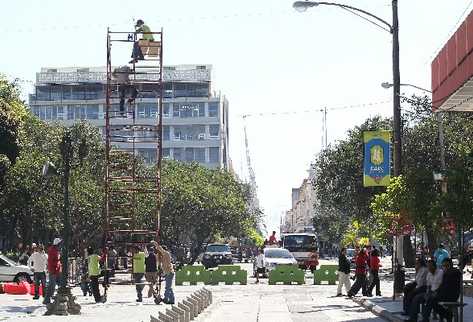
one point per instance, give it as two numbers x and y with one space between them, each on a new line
186 110
166 110
166 133
214 155
178 154
166 153
147 110
189 154
213 109
199 155
214 130
148 155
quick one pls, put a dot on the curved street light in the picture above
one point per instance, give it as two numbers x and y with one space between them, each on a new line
393 29
388 85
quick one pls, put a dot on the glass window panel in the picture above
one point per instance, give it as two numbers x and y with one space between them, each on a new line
42 113
56 93
213 109
60 112
43 93
92 112
199 154
178 155
67 92
166 109
166 133
166 152
214 155
214 130
189 154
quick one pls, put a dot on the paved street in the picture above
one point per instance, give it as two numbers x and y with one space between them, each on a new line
263 302
246 303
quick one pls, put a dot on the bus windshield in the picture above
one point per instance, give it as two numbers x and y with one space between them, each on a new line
300 243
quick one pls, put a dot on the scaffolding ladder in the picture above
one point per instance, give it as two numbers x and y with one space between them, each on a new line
127 185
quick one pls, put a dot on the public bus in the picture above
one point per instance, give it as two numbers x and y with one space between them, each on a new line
303 247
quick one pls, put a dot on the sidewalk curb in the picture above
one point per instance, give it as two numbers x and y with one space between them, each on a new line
377 310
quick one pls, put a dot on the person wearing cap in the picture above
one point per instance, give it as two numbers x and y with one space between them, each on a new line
54 269
38 263
138 272
140 27
164 259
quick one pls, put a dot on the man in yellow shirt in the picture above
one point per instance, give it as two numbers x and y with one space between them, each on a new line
138 272
147 35
94 273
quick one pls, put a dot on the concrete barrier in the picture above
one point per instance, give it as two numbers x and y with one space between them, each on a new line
229 274
193 275
181 313
187 311
286 274
326 273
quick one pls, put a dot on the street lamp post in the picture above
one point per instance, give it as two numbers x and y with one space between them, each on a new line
393 29
64 303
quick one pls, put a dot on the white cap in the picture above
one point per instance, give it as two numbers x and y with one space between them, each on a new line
57 241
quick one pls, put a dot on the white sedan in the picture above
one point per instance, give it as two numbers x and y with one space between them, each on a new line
12 272
274 257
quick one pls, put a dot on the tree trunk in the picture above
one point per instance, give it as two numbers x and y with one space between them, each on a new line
431 241
408 252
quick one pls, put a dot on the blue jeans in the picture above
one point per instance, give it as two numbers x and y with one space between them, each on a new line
53 280
39 278
168 293
138 278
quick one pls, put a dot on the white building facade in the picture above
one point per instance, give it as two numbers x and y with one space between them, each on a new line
195 121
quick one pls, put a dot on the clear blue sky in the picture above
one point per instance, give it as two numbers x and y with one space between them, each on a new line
266 58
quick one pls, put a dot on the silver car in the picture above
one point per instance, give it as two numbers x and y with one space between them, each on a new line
274 257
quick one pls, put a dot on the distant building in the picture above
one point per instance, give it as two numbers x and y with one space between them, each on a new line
195 122
300 217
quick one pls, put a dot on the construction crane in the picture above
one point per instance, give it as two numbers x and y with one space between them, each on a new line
254 202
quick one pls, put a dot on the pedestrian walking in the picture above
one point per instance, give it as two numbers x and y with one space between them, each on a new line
151 270
54 269
94 273
164 259
138 272
360 274
259 264
374 269
84 277
343 272
38 262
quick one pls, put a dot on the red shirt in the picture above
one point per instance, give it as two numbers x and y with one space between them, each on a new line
374 263
54 265
272 240
361 261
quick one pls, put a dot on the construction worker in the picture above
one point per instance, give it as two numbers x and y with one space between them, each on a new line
140 27
139 272
125 88
94 273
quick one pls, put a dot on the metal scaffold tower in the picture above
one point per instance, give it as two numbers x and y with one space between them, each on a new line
127 185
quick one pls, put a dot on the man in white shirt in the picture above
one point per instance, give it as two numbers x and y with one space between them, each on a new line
419 286
434 279
38 263
259 264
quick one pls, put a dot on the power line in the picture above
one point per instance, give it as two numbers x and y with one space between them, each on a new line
316 110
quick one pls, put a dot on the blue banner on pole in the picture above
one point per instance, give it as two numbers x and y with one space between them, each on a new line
377 158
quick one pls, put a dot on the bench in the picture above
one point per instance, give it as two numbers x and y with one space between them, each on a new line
452 307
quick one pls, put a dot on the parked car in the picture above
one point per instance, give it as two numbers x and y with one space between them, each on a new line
217 254
274 257
12 272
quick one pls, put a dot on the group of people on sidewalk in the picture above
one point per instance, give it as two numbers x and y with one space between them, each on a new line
149 263
436 281
367 266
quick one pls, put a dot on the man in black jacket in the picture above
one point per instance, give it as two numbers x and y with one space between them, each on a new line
343 272
448 291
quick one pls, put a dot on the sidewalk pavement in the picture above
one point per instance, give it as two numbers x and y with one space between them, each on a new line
391 310
120 306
